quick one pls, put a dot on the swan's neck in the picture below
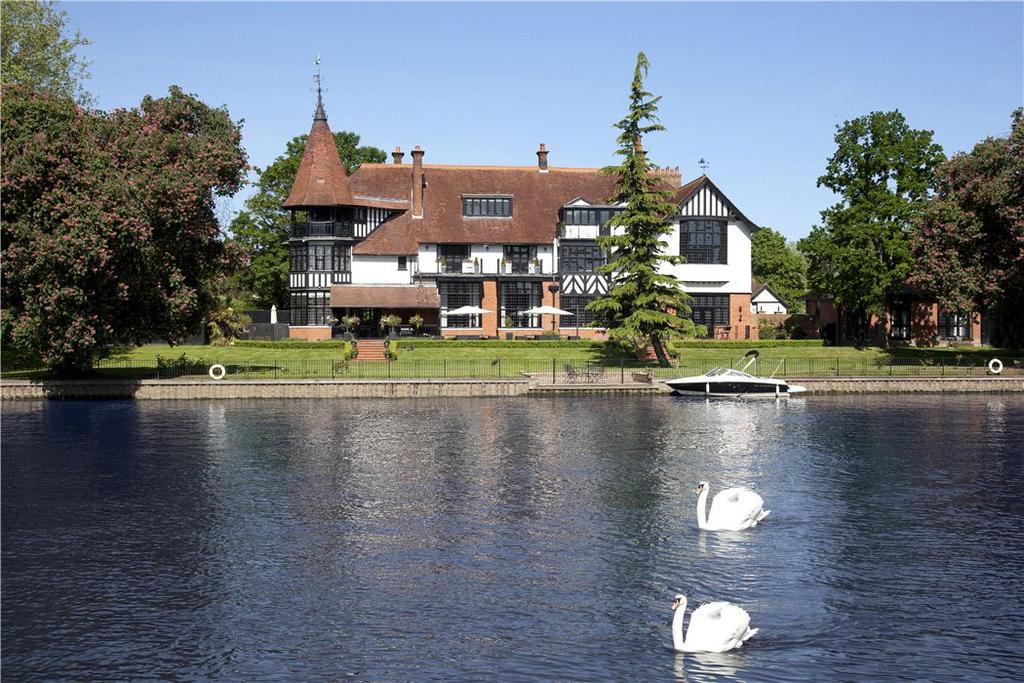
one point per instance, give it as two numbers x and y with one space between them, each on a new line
677 627
702 509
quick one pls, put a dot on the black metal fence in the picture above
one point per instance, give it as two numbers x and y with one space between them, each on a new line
624 370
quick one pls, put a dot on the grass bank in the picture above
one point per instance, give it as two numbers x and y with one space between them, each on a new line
509 359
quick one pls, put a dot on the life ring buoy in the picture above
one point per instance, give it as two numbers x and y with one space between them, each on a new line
995 366
217 371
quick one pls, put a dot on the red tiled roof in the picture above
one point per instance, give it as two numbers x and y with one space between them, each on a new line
385 296
536 199
321 179
687 190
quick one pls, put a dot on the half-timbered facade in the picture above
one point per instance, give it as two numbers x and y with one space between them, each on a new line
420 240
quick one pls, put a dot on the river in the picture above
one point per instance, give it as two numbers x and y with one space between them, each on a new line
514 539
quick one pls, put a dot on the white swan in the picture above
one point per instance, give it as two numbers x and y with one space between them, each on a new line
733 509
714 627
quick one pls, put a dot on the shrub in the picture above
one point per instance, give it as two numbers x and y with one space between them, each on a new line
745 343
289 344
766 329
182 365
502 343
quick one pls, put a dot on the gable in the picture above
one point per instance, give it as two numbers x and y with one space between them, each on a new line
702 198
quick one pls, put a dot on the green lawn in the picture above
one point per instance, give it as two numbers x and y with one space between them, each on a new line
502 360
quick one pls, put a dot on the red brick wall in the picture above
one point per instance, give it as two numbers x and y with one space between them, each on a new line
741 321
490 302
309 333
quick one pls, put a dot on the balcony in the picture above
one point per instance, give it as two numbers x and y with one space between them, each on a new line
583 232
325 229
487 267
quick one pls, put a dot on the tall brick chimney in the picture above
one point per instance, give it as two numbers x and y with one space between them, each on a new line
542 158
417 182
397 155
671 175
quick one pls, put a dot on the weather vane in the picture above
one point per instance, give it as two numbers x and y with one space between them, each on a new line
317 77
703 165
319 90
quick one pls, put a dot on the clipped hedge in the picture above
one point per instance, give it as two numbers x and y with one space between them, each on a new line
745 343
404 343
289 344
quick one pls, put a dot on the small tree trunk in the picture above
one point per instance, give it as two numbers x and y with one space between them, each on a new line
659 351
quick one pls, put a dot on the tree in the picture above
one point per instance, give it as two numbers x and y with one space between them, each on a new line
968 241
883 171
263 225
642 304
36 53
109 234
778 265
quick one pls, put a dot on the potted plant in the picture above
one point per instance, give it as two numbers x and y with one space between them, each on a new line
535 265
350 322
389 323
503 266
417 322
442 263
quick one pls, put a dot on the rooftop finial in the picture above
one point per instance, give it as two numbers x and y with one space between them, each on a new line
703 165
320 115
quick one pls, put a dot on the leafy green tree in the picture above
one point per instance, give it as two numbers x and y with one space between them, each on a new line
109 234
262 227
779 265
883 171
643 305
36 52
968 241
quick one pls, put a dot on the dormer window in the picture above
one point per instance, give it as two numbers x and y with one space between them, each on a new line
490 206
588 216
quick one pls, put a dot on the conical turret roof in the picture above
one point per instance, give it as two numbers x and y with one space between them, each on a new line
321 179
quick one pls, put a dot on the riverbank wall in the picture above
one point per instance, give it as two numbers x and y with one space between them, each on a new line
411 388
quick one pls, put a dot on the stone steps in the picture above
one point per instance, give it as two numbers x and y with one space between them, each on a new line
371 349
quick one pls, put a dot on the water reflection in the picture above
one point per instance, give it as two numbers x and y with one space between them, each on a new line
511 538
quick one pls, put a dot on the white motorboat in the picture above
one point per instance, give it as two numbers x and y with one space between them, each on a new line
733 382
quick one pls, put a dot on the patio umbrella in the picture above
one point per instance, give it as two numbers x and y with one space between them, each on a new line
468 310
545 310
273 314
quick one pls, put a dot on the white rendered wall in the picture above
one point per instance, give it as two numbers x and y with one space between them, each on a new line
489 255
768 307
381 270
732 277
764 302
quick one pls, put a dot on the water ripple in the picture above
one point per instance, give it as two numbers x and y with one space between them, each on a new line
519 539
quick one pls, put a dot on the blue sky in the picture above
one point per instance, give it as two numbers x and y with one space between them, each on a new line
755 88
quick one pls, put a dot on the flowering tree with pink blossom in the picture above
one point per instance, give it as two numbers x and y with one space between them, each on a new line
968 243
109 234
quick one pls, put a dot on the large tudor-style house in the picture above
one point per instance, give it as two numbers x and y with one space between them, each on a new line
423 239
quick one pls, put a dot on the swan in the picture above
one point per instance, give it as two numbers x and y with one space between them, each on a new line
733 509
714 627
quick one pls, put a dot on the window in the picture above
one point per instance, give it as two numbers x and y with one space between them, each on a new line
579 257
577 305
310 308
516 297
710 310
457 294
451 256
403 263
587 216
487 207
900 323
953 326
319 257
703 241
520 256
